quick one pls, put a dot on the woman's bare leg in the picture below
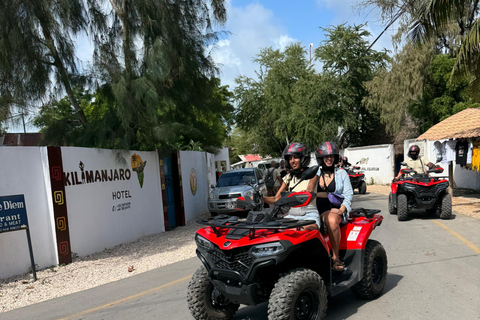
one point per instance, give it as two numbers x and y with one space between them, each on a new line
332 220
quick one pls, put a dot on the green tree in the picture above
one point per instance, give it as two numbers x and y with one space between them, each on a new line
265 105
417 91
36 47
291 102
453 25
441 97
393 90
349 62
61 126
159 91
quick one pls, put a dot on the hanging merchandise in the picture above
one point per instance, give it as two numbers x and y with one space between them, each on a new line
439 150
461 152
476 156
450 149
469 152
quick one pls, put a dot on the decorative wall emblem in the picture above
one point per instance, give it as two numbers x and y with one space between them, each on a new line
56 173
61 224
193 181
138 165
58 197
63 248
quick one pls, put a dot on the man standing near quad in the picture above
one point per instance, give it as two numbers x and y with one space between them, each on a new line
271 179
416 162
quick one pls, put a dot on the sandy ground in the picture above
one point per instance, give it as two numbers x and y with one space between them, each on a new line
145 254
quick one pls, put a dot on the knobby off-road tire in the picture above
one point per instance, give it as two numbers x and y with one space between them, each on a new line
199 298
391 205
363 188
374 271
402 207
446 209
298 294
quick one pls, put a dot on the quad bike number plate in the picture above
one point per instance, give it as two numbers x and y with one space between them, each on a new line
353 235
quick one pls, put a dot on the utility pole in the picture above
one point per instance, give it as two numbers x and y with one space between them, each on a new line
310 47
23 121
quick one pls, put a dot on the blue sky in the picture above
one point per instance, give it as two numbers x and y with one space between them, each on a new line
277 23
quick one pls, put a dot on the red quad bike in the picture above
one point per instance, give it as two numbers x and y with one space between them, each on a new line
420 191
268 258
357 178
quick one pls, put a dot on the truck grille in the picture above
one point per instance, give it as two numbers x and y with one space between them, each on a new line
239 261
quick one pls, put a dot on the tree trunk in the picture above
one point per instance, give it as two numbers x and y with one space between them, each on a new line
64 78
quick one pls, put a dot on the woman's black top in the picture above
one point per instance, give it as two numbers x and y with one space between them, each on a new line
322 203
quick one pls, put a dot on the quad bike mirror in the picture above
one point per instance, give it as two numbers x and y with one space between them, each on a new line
310 173
296 199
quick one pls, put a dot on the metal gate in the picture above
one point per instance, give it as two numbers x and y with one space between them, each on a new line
169 189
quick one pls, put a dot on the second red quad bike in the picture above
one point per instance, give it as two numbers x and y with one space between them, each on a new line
269 258
357 178
420 191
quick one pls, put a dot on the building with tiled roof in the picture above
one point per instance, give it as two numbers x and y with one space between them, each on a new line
464 124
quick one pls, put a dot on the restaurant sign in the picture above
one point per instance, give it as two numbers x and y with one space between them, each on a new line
13 214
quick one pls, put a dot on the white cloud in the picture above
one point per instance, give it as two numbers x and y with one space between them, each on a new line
252 28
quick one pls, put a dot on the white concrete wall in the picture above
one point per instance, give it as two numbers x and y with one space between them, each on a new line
211 170
98 218
194 183
377 162
24 170
223 155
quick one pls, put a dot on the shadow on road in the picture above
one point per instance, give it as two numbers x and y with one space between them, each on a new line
341 306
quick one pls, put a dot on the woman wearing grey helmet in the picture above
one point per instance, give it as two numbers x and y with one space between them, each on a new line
331 179
297 159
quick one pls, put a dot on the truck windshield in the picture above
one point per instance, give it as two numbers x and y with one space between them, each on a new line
235 178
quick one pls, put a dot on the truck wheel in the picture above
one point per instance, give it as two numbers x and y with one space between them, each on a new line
363 188
298 294
402 207
204 302
391 207
446 209
374 271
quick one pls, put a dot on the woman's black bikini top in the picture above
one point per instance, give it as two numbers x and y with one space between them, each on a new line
330 187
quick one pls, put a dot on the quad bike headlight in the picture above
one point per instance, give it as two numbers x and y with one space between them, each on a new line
267 249
202 242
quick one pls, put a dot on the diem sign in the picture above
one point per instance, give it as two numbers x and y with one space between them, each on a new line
13 214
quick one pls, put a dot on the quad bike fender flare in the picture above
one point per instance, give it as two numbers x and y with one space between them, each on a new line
394 187
394 199
355 235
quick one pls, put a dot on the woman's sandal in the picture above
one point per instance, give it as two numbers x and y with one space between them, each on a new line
338 265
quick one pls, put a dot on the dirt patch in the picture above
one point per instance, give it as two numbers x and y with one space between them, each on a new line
464 201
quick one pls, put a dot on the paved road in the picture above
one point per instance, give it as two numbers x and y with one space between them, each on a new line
434 273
